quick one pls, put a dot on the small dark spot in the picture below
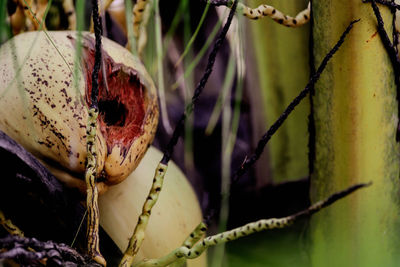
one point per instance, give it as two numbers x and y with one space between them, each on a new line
280 21
273 11
305 16
294 21
158 189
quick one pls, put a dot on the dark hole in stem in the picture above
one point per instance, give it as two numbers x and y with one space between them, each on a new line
112 112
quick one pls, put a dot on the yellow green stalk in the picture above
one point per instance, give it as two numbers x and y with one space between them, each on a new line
282 63
355 113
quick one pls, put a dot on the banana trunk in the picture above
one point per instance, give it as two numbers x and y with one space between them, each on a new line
355 113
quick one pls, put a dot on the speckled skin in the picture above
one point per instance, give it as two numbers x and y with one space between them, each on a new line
41 109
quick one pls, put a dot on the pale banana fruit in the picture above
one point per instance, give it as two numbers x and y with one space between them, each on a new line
175 215
41 109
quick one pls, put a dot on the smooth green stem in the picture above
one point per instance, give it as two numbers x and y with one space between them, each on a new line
160 70
129 24
196 32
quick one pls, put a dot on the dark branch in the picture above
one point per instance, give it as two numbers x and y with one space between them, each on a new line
249 161
97 56
199 88
329 201
391 50
384 2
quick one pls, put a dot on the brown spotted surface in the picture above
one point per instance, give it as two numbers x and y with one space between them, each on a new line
42 110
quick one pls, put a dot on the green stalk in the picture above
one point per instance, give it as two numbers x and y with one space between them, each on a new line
80 13
5 31
129 24
355 113
281 55
196 32
190 68
160 70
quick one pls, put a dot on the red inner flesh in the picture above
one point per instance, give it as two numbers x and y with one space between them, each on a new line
122 106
